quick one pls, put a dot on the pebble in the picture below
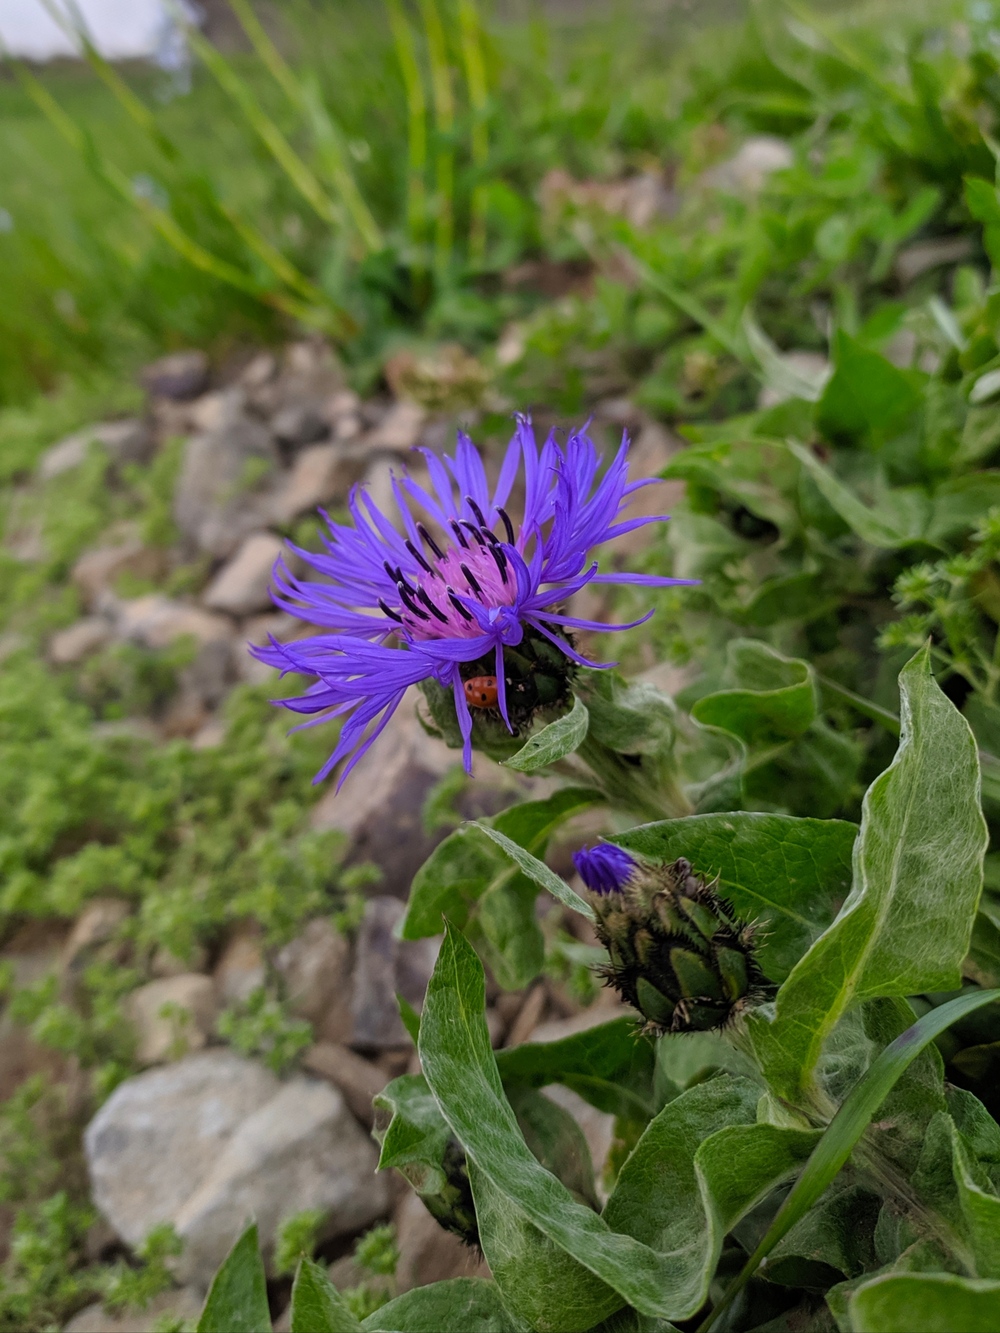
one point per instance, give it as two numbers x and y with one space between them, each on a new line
186 1026
242 586
179 376
127 441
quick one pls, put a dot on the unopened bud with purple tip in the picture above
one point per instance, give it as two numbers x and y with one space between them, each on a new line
677 951
604 868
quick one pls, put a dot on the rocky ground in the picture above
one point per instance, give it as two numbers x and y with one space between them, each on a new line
204 1137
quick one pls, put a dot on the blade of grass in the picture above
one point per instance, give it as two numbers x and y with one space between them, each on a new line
281 150
847 1127
416 114
162 222
329 140
255 241
475 78
444 119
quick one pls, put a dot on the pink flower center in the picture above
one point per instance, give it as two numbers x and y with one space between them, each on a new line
435 604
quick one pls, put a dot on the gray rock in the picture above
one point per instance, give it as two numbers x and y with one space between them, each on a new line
242 586
156 621
214 1140
241 968
299 424
96 571
316 970
358 1079
922 256
181 375
78 641
747 170
222 493
400 428
428 1253
185 1027
384 966
321 473
126 441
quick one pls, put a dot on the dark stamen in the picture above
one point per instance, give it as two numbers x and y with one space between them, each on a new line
432 608
471 528
460 535
497 553
462 610
398 576
508 525
417 556
491 537
411 605
393 615
470 579
477 511
430 541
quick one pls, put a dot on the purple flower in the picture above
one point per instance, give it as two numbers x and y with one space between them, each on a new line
447 592
605 868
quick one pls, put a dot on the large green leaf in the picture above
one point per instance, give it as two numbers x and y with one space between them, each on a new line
317 1305
610 1065
700 1165
926 1303
411 1132
866 394
917 878
553 742
465 866
462 1072
902 517
540 1282
237 1298
458 1305
776 701
788 875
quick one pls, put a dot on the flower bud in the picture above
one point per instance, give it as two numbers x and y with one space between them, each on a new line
453 1207
678 953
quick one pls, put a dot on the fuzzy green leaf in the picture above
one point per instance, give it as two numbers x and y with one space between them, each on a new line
553 742
926 1303
786 874
610 1066
539 872
458 1305
917 878
237 1298
462 1072
775 701
866 393
700 1165
317 1305
901 518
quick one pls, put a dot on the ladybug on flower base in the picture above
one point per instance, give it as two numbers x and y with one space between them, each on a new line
482 692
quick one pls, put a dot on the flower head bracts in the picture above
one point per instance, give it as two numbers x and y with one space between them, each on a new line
416 605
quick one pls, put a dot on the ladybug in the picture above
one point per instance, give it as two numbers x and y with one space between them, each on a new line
481 692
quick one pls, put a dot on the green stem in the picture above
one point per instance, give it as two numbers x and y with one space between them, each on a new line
632 787
444 116
864 706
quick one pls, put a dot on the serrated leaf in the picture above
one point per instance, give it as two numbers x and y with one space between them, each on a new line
926 1303
917 878
317 1305
237 1298
462 1072
458 1305
787 874
699 1166
553 742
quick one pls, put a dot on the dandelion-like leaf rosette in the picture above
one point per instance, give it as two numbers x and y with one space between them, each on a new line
445 596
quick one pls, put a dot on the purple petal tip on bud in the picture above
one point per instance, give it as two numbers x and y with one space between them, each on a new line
604 868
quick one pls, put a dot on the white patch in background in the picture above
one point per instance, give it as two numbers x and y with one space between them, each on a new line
120 28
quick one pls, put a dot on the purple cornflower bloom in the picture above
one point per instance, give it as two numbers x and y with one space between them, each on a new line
604 868
404 607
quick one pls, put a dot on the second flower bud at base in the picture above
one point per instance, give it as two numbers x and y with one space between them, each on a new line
678 953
